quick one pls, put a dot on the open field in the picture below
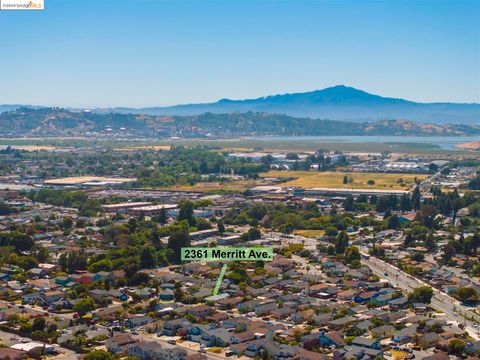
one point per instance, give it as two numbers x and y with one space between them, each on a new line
309 233
241 144
311 179
77 180
30 147
474 145
144 147
219 186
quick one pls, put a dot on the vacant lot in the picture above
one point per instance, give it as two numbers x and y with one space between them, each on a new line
309 233
235 186
78 180
312 179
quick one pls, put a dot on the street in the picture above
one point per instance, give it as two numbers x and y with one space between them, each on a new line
452 308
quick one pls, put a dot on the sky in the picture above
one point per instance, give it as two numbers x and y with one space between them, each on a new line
85 53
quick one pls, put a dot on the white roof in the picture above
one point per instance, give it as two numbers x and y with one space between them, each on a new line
28 346
154 207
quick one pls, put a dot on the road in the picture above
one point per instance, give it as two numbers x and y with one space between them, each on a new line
452 308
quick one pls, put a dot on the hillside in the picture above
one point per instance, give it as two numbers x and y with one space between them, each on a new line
62 122
336 103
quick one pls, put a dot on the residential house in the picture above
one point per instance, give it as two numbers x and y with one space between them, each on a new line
428 340
52 296
241 337
170 327
200 311
366 342
406 334
383 331
144 350
138 321
341 322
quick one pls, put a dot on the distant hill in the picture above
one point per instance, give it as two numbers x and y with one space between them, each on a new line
63 122
335 103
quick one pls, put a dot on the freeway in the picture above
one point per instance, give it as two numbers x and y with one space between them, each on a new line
452 308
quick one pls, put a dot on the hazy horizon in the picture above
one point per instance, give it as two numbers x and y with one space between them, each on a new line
217 100
144 53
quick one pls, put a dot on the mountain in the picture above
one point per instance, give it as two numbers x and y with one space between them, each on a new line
335 103
63 122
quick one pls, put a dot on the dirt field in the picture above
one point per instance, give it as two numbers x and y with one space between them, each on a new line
309 233
311 179
216 186
31 147
145 147
474 145
76 180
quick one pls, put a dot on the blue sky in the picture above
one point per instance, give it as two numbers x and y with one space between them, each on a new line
87 53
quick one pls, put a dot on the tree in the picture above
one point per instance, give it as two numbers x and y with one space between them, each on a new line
155 238
186 212
409 240
474 184
42 254
393 222
422 294
448 253
176 241
457 204
20 241
147 258
430 242
351 254
98 355
203 224
405 203
427 215
162 217
475 243
416 198
101 265
139 278
417 256
84 306
456 347
251 234
345 179
341 243
38 324
349 203
220 226
67 223
467 295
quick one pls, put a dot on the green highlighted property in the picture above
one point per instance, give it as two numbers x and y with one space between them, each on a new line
226 254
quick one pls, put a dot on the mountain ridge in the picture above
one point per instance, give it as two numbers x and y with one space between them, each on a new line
63 122
338 102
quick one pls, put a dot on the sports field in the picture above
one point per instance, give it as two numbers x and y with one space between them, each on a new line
313 179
